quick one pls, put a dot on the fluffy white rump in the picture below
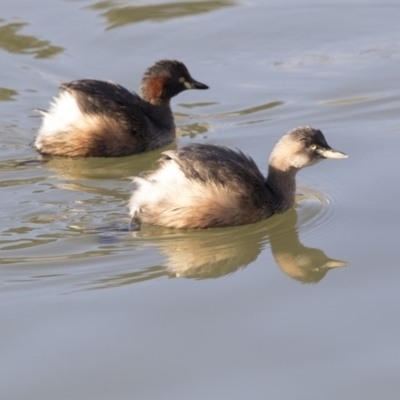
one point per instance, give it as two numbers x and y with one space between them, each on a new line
168 198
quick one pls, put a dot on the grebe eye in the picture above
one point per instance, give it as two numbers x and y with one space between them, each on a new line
313 146
182 79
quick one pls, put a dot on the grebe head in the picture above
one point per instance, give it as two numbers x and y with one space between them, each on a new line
302 147
166 79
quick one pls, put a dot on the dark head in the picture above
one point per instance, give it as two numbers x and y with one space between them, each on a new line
302 147
165 79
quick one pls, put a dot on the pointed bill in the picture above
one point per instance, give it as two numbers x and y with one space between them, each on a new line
331 153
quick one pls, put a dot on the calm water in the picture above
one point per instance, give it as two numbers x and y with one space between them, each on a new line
302 306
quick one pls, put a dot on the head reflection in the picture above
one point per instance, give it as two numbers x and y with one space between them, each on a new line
304 264
215 253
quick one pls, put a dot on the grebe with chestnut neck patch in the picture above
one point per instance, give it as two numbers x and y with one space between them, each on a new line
93 118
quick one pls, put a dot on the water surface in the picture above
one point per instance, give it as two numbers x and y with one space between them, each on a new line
302 306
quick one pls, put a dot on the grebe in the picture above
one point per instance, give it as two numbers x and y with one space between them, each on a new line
204 185
92 118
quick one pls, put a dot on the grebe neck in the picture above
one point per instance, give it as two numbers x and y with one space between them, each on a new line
152 91
282 184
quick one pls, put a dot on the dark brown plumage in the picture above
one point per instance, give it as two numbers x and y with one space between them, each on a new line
203 186
92 118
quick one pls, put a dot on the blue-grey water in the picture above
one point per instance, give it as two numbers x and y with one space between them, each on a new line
302 306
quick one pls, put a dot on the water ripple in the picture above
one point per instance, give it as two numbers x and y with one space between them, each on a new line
316 211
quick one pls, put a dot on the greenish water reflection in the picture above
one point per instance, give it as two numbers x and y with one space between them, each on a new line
219 252
13 42
104 168
118 16
246 111
7 94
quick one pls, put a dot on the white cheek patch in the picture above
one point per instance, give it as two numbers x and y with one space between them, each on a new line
299 160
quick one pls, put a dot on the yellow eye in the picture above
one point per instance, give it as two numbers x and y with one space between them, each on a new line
182 79
313 147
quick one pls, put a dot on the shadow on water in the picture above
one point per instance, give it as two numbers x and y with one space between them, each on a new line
13 42
117 15
220 252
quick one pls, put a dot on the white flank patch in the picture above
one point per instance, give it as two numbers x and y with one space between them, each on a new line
168 198
161 184
63 113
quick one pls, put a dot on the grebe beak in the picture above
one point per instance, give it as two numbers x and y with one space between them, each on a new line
331 153
195 85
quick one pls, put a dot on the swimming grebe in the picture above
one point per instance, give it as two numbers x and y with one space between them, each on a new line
204 185
92 118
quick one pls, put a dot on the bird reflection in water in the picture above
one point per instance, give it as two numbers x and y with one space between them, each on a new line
304 264
213 253
220 253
